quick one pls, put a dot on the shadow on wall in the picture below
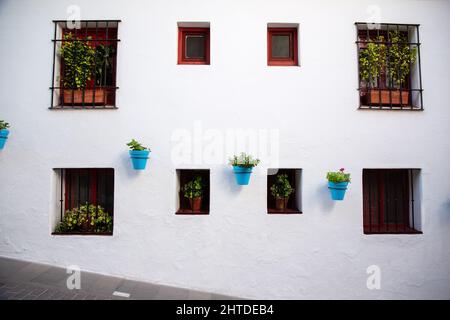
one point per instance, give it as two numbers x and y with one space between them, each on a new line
446 216
324 198
227 176
125 160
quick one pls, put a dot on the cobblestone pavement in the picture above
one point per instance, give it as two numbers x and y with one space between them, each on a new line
23 280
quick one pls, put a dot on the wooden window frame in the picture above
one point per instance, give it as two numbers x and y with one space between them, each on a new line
293 36
375 208
185 31
184 176
292 204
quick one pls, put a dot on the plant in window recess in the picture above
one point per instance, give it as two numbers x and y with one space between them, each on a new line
193 190
86 218
82 62
281 190
242 167
139 154
103 65
400 57
337 183
392 58
4 132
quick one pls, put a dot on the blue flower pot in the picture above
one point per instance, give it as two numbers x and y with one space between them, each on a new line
337 190
3 136
242 175
139 158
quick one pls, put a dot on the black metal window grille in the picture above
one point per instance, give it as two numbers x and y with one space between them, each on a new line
389 201
91 44
384 91
185 205
87 187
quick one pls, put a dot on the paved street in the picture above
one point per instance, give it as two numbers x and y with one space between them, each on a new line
22 280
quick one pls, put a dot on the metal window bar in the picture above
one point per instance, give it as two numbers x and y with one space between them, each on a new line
108 90
365 91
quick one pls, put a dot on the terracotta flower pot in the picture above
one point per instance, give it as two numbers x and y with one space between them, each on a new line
388 98
281 203
196 203
89 97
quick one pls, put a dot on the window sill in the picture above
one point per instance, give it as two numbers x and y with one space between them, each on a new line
389 108
285 211
276 64
191 212
82 233
390 230
84 108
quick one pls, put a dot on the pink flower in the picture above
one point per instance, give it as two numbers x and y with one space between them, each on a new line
341 169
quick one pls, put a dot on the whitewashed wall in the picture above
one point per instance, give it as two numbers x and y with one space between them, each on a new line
238 249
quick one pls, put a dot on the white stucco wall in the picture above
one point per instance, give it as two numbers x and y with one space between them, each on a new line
238 249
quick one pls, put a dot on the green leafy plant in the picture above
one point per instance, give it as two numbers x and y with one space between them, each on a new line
79 60
393 59
103 64
194 188
281 188
136 146
4 125
400 56
339 176
243 160
86 218
372 61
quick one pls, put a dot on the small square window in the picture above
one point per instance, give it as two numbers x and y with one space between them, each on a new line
282 47
193 45
193 191
279 198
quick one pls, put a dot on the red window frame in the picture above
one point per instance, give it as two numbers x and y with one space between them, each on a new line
293 47
185 31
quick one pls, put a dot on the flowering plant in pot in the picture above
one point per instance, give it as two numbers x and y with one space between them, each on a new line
242 167
4 132
281 190
337 183
139 154
193 191
86 218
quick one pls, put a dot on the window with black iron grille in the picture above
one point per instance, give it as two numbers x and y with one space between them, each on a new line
193 191
389 66
390 201
86 201
84 64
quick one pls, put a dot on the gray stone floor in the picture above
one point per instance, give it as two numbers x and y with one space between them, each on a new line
23 280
